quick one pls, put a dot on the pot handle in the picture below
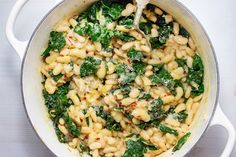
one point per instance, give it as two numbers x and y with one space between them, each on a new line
18 45
221 119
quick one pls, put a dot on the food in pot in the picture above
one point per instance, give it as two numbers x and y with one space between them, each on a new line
109 94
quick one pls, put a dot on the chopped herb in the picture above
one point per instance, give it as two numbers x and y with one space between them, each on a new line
181 142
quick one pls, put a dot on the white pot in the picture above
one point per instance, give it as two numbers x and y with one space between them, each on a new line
208 114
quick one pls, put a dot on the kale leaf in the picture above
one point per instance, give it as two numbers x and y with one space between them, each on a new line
137 147
164 32
125 75
181 62
146 27
112 10
145 95
111 124
181 116
167 129
55 77
89 66
181 142
139 67
183 32
195 74
135 55
56 43
127 21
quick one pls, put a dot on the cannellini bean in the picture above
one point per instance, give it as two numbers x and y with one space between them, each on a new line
101 73
95 145
111 68
73 96
141 113
130 8
168 99
139 81
127 46
145 48
189 104
86 130
73 22
50 85
179 93
63 129
63 59
158 11
127 101
180 107
168 18
52 58
144 135
98 46
135 34
176 28
58 69
191 44
117 116
134 93
154 32
188 92
180 40
146 81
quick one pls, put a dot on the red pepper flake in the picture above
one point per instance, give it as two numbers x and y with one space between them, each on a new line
120 103
129 61
133 105
81 119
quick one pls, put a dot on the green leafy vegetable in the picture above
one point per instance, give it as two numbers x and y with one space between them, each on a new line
145 95
146 27
181 62
70 125
56 43
183 32
55 77
166 129
195 74
139 67
161 21
111 124
125 75
113 10
135 55
89 66
127 21
156 113
163 77
164 32
137 147
181 116
123 36
181 142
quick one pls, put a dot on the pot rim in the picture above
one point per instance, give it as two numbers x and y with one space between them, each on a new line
180 4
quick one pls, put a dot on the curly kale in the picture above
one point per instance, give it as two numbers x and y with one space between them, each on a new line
89 66
56 43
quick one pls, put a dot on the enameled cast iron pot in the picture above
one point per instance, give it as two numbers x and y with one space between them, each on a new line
208 114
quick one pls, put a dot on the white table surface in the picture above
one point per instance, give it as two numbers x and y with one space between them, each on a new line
17 138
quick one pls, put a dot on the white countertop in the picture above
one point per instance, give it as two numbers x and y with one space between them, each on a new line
17 138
